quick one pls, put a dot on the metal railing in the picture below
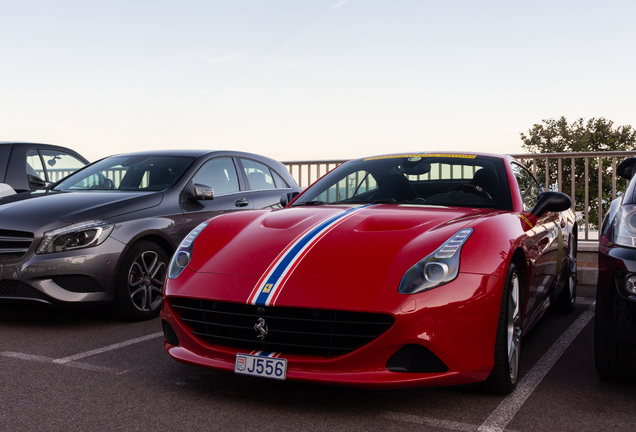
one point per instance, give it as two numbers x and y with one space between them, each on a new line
589 178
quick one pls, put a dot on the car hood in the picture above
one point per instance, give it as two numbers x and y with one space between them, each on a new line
37 210
365 246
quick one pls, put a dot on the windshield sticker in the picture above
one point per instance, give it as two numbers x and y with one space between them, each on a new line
417 157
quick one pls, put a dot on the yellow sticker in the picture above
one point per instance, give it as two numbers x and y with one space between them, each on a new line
459 156
267 288
423 155
525 219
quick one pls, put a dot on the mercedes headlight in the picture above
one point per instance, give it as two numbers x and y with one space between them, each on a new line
439 268
76 236
183 255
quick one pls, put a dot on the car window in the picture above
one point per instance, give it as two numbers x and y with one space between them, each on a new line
34 167
528 186
58 164
419 179
129 173
358 184
259 176
278 180
220 175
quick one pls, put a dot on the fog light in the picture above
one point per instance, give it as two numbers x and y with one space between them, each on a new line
630 284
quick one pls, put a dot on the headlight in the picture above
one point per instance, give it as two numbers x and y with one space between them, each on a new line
183 255
625 226
76 236
438 268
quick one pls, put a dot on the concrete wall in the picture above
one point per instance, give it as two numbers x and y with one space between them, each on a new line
587 263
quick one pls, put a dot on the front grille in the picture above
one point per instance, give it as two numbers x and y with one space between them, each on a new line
78 283
19 290
14 244
316 332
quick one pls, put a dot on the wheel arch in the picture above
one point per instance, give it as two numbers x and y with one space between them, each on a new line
165 244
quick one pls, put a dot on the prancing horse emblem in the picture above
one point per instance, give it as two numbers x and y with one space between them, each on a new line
261 328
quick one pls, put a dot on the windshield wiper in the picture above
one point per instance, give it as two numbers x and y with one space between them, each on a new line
309 203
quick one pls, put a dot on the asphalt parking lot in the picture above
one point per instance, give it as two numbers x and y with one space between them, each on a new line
85 371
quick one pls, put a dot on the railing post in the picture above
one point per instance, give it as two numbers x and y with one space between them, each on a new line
587 201
600 191
613 178
573 184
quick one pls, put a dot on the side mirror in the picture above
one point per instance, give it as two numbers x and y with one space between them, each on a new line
36 182
625 169
202 192
287 198
551 202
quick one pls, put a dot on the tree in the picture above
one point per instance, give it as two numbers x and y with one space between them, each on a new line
593 135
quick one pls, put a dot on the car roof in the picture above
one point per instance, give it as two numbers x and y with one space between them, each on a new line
196 153
29 145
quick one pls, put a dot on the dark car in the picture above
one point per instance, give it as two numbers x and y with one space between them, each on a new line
30 166
106 232
615 320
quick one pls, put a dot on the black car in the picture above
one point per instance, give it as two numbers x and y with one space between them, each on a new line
106 232
29 166
615 318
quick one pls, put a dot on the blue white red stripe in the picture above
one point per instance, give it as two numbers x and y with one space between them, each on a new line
271 283
265 354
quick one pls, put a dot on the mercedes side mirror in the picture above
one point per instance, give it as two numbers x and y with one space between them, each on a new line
202 192
287 198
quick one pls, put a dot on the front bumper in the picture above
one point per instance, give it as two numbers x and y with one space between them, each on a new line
456 323
78 276
619 306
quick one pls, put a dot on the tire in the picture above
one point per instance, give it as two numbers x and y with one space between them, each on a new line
567 297
505 372
139 283
610 358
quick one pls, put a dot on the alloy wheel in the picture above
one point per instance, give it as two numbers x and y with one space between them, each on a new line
145 281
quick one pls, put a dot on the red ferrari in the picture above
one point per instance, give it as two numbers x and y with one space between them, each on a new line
390 271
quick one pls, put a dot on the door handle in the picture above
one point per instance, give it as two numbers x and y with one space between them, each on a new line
241 202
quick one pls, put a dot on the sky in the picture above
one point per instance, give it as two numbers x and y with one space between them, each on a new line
310 79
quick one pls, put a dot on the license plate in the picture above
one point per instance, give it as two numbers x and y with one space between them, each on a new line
267 367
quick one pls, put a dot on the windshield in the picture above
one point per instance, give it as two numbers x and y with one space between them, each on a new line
424 179
129 173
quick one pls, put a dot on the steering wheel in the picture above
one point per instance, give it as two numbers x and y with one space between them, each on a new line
474 189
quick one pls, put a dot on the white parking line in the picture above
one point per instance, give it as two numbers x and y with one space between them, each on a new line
432 422
71 361
508 408
107 348
78 365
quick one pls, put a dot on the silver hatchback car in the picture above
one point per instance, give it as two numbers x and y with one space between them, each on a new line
106 232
